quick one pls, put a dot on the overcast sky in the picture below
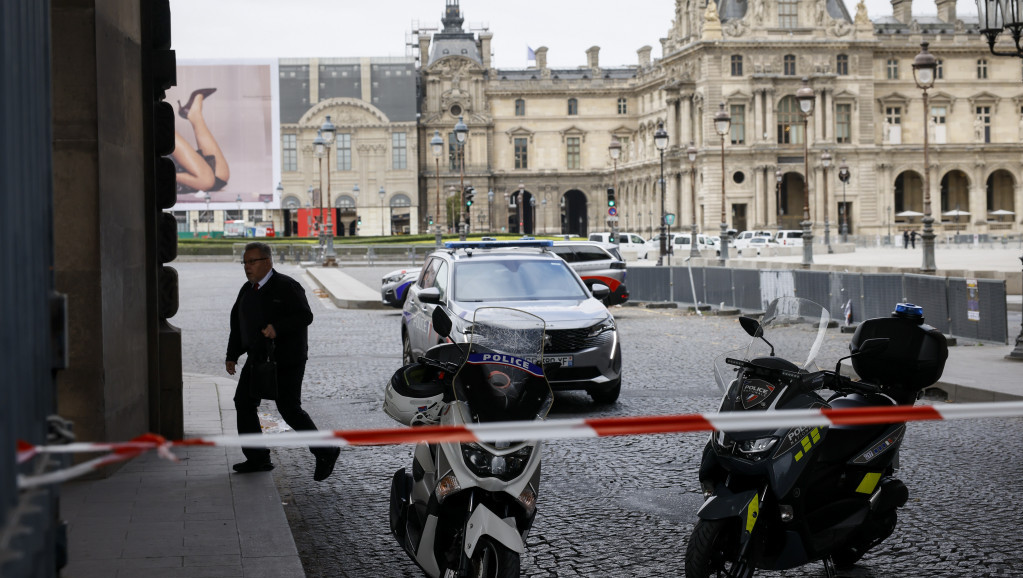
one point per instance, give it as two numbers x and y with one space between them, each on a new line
238 29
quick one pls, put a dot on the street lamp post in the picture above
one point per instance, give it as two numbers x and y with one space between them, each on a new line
358 220
543 207
329 258
694 250
615 151
518 207
778 176
238 200
490 210
437 145
661 142
825 163
209 217
843 175
461 133
383 228
280 200
924 66
805 96
532 206
997 15
319 151
722 121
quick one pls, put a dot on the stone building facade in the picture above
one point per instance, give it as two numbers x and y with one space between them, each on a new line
543 133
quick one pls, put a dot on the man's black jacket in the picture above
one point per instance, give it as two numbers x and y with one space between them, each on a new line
281 303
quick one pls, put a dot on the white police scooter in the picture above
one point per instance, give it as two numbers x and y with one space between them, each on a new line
466 508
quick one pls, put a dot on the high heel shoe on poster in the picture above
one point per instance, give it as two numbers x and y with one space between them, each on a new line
183 110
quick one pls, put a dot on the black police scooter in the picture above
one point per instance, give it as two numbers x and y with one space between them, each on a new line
778 499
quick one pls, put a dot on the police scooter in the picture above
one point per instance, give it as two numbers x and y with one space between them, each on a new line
779 499
465 509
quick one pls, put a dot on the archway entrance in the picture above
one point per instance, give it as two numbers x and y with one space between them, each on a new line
955 199
574 219
520 214
790 201
909 197
291 206
1000 204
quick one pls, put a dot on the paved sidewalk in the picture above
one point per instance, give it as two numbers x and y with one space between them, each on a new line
196 518
345 291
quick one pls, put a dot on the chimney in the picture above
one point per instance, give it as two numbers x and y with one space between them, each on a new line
485 48
541 57
644 56
424 50
593 58
902 10
946 10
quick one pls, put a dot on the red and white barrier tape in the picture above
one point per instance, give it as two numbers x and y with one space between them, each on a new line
518 430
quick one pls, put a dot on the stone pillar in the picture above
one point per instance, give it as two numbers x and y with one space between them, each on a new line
902 10
644 56
485 38
593 58
687 119
424 50
769 117
541 57
946 10
758 120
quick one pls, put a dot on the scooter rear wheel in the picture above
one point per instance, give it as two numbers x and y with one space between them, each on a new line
493 560
712 551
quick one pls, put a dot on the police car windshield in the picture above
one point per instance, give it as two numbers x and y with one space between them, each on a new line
513 280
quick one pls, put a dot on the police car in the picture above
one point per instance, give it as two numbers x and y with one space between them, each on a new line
581 335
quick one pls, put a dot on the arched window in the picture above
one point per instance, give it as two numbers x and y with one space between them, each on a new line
345 202
520 107
292 203
790 64
573 106
790 121
400 200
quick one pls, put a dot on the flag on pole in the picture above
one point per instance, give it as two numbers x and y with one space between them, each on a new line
530 54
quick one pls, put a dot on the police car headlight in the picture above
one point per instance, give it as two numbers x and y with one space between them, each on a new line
602 327
393 278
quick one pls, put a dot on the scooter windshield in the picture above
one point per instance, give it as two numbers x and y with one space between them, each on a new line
794 327
503 378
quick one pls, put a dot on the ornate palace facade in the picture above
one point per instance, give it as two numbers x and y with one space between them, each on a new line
543 133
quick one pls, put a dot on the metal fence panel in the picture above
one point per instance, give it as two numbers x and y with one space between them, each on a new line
649 284
719 285
815 286
880 294
988 303
747 289
775 284
930 293
683 286
847 291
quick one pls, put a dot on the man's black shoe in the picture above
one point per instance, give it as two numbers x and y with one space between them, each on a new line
325 464
249 466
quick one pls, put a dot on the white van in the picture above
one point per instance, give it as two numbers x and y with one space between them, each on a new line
629 243
789 238
743 239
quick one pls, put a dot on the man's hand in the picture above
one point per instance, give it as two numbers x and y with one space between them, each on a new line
230 367
269 332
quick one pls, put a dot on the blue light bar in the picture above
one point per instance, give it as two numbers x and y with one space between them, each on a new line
909 310
496 244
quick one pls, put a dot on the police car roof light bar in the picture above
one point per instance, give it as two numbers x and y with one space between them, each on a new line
496 244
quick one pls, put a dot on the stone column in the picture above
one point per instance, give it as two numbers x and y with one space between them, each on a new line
758 121
687 119
769 117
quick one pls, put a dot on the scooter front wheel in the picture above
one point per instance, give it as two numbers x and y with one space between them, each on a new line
713 551
493 560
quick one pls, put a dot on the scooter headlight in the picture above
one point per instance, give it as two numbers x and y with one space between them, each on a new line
487 465
756 448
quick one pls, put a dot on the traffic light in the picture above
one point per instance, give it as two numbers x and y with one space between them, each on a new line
468 195
612 237
610 196
358 219
429 219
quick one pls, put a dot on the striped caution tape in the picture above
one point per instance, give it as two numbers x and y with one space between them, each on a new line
516 431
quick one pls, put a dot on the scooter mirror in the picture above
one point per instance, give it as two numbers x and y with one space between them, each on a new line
750 326
441 322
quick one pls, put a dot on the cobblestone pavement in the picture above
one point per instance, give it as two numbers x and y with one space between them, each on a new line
611 507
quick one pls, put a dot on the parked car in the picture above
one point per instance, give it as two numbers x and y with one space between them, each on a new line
394 286
742 240
681 242
582 337
629 242
761 244
789 238
596 263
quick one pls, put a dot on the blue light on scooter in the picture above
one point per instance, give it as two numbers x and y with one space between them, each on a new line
908 310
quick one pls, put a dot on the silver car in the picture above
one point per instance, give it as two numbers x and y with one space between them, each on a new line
581 339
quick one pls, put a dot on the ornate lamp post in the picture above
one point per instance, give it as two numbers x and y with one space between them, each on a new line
461 133
358 219
722 121
383 229
518 207
209 217
661 142
778 176
843 175
805 96
532 206
320 151
328 130
998 15
280 199
694 251
437 146
924 66
615 151
825 163
241 215
490 210
543 207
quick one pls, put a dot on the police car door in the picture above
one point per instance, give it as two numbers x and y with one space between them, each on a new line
419 313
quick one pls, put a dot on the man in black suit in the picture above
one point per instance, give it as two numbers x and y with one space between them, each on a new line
272 306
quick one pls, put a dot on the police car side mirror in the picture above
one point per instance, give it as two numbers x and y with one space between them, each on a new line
441 322
431 296
600 291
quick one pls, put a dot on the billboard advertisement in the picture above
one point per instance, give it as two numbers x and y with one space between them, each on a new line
226 131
